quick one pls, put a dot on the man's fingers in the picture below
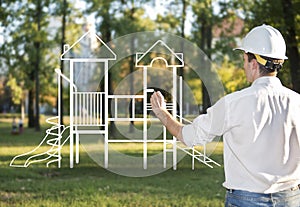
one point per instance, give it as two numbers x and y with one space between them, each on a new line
155 99
159 94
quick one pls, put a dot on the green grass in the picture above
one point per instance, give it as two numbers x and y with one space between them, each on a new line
88 184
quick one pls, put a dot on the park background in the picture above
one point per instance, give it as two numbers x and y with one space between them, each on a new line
32 35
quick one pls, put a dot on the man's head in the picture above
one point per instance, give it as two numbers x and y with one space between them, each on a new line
267 65
264 49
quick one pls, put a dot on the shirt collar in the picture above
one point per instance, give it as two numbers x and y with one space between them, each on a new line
267 80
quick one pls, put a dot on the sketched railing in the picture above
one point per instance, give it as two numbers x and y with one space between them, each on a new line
88 108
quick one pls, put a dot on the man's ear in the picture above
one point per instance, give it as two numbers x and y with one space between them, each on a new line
254 63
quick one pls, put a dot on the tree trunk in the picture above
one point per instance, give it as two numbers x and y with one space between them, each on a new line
204 43
37 46
37 88
292 49
205 99
184 5
181 69
131 63
131 69
37 91
63 32
31 108
110 92
106 31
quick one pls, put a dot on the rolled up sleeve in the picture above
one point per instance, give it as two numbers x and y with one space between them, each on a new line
206 126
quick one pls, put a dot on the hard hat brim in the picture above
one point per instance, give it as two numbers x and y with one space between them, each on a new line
267 55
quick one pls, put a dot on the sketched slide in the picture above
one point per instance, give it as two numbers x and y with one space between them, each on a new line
54 139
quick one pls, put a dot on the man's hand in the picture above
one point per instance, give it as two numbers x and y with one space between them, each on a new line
158 103
159 108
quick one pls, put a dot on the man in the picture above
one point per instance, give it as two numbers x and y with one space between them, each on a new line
260 126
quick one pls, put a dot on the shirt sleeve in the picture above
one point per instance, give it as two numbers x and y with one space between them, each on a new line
206 126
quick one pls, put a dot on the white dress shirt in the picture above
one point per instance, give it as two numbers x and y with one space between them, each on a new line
261 135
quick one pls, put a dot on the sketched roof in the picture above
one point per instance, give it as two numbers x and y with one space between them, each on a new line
159 51
88 47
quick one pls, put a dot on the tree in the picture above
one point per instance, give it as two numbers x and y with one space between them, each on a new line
70 23
37 47
290 33
282 14
26 48
104 20
16 90
202 35
233 78
185 4
110 21
132 17
63 40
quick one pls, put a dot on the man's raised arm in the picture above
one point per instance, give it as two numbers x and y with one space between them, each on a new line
159 108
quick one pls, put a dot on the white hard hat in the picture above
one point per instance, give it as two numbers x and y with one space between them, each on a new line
264 40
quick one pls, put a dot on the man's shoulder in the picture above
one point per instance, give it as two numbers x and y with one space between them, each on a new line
237 95
291 93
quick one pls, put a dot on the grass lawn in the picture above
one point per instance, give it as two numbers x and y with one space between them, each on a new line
88 184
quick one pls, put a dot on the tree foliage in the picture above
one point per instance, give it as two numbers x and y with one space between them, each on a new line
285 16
26 49
30 43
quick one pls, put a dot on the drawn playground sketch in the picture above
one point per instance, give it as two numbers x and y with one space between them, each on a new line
89 110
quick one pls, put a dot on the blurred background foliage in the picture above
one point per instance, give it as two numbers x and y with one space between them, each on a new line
33 32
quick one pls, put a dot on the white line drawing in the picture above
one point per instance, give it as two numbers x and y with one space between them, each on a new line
86 109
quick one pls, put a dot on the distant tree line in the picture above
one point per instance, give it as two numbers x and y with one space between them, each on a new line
35 31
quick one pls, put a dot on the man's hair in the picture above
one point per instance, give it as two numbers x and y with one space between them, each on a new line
264 70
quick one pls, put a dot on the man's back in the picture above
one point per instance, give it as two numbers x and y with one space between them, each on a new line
262 137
